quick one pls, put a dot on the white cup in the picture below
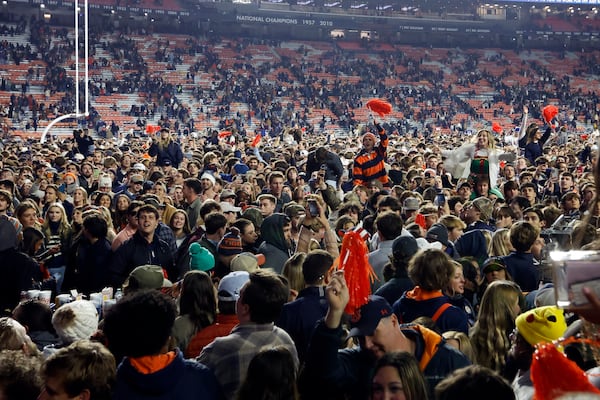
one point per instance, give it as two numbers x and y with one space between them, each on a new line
96 298
33 294
45 296
63 299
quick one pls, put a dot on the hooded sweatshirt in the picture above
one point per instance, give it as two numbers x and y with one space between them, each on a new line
275 248
472 244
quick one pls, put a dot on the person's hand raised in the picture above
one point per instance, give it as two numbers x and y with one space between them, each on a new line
338 296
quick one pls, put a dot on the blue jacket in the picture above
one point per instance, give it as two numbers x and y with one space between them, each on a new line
299 317
522 270
181 379
419 303
393 289
329 373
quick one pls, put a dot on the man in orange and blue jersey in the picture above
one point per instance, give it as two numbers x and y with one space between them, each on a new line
369 163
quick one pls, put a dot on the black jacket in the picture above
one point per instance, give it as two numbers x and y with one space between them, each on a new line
334 168
137 251
83 143
19 271
172 153
86 266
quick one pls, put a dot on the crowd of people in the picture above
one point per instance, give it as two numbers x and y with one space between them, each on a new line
326 79
218 264
196 260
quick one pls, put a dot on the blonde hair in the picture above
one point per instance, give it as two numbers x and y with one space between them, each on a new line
489 336
209 158
451 222
64 229
292 270
164 143
491 141
464 343
501 245
488 239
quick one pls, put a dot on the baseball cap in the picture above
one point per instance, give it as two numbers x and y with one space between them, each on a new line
247 261
429 171
485 207
411 204
366 320
147 277
139 167
231 285
137 179
438 233
153 202
227 194
404 247
293 210
493 264
228 207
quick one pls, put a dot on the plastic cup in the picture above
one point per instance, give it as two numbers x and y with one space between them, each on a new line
45 296
96 298
63 299
33 294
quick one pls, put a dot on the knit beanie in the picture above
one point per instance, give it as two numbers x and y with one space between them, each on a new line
104 181
200 258
72 175
209 176
370 135
541 325
75 321
231 244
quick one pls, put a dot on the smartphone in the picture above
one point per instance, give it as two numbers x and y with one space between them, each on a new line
96 173
313 208
554 174
440 199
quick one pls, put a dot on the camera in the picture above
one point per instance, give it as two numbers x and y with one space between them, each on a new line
560 232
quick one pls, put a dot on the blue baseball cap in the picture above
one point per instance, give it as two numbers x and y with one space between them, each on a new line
365 320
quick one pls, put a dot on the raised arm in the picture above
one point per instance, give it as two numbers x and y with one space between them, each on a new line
523 128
